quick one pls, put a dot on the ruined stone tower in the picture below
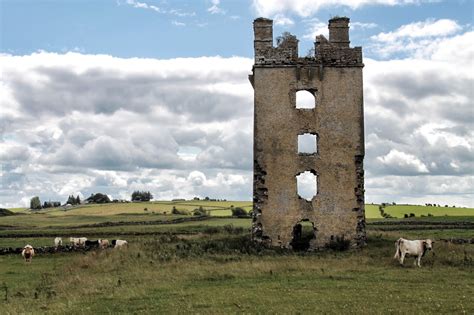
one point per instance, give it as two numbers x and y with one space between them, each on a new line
331 117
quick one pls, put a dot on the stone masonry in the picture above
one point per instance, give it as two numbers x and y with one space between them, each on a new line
333 75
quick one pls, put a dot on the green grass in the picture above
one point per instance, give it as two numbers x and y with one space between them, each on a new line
221 274
158 207
372 212
210 266
222 208
398 211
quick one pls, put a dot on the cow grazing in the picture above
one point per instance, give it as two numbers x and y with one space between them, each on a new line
28 253
416 248
58 242
78 241
104 243
119 243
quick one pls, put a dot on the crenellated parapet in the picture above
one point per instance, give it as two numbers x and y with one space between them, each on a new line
334 52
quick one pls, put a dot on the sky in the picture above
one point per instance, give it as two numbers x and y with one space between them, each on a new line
114 96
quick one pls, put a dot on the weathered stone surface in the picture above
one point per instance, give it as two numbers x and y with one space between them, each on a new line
334 76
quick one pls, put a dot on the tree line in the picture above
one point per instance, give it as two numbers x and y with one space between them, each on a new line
35 202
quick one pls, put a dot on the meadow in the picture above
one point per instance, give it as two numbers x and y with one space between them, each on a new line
183 264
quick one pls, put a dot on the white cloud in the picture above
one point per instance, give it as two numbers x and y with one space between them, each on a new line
362 25
94 123
146 6
143 5
307 8
282 20
421 39
214 8
90 123
176 23
316 28
428 28
403 162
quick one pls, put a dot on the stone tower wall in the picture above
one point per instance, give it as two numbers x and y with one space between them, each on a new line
334 76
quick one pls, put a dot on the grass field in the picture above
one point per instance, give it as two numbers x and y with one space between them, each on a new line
399 210
210 266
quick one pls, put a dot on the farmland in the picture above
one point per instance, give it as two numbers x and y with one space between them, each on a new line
179 263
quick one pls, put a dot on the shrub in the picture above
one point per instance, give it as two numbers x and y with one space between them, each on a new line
176 211
98 198
238 212
339 243
405 215
412 215
200 211
5 212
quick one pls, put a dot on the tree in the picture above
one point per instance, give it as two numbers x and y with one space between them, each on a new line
98 198
141 196
71 200
78 200
35 203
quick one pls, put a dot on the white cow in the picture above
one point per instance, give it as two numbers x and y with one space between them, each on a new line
28 252
58 242
119 243
78 241
415 248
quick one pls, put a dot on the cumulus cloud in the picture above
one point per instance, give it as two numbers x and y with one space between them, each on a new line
75 123
89 123
421 39
402 162
315 27
419 119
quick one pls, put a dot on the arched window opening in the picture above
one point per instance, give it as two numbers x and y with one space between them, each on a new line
305 99
307 185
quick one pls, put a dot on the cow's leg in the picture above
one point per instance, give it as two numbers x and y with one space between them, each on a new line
419 260
402 258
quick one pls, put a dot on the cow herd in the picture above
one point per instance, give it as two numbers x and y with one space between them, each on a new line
76 242
404 247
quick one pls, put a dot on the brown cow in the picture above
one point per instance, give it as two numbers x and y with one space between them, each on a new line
28 253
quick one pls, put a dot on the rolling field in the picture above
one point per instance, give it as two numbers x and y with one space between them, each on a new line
399 210
184 264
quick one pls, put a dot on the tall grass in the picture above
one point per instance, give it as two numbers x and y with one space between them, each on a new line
223 272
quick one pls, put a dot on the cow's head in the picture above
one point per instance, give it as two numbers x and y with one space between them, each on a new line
428 244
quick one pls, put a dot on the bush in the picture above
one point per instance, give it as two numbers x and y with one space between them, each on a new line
176 211
339 243
200 211
412 215
98 198
5 212
238 212
405 215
